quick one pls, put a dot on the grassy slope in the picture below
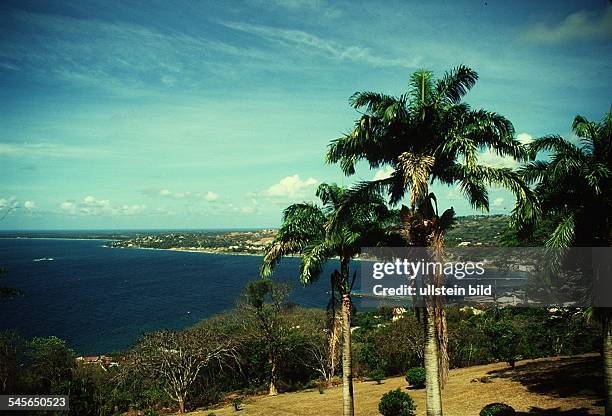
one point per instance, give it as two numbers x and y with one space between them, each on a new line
552 386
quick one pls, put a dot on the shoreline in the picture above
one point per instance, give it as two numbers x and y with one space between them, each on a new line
59 238
187 250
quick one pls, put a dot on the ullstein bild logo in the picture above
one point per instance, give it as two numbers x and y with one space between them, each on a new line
529 276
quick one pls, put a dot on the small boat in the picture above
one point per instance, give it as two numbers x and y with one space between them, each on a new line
44 259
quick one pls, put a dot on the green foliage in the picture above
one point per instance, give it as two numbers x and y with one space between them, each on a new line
416 377
257 291
428 135
12 348
504 336
52 363
497 409
400 344
370 359
572 186
237 404
396 403
344 224
378 375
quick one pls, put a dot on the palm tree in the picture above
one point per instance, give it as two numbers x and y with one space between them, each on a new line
306 231
428 135
574 192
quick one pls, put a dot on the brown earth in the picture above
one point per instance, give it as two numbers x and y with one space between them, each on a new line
560 386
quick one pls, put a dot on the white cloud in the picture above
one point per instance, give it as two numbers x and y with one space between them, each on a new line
498 202
167 193
96 207
290 188
490 158
253 208
580 25
168 80
91 201
9 203
211 196
69 207
131 209
524 138
383 173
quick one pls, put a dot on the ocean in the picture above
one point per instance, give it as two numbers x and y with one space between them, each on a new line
100 299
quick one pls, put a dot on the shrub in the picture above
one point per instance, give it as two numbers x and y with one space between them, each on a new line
497 409
416 377
150 412
237 403
378 375
396 403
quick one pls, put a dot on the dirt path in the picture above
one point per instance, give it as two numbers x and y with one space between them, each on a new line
561 386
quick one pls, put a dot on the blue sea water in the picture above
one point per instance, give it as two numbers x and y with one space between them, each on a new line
102 299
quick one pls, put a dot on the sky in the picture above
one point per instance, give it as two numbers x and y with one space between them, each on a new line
195 114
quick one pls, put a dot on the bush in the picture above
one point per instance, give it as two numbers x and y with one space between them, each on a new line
396 403
237 403
416 377
497 409
378 375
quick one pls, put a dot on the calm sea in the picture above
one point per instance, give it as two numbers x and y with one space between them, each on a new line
102 299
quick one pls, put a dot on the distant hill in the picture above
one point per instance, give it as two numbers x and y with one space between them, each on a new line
484 229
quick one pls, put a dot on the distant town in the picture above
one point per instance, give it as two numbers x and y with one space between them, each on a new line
474 230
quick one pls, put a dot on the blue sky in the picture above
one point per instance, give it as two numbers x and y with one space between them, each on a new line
217 114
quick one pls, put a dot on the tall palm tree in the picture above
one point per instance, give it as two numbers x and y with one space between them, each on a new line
574 191
428 135
306 231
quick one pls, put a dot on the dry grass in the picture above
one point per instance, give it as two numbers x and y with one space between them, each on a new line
562 386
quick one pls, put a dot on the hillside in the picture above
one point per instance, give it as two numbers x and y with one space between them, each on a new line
561 386
484 229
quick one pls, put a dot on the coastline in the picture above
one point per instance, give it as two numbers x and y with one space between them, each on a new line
59 238
188 250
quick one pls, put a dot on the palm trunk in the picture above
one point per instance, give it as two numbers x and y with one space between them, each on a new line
272 390
334 342
181 404
347 370
432 374
607 358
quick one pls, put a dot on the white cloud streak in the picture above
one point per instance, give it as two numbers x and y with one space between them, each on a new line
21 150
309 42
581 25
